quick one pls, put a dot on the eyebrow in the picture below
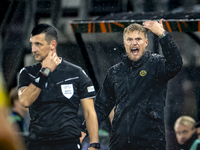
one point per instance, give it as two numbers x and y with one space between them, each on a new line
134 38
35 42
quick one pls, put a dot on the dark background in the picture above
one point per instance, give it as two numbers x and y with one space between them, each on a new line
18 17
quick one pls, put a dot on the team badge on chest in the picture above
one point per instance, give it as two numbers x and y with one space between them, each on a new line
67 90
143 73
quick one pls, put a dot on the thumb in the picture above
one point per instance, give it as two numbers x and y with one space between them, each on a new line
161 21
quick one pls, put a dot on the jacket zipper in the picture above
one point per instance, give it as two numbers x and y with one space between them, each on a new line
129 92
128 129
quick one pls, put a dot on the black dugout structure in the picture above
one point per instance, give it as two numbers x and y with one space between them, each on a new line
101 41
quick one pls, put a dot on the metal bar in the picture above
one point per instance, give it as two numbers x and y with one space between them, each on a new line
194 37
2 27
171 25
87 60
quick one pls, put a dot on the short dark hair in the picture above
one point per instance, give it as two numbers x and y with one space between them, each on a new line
49 30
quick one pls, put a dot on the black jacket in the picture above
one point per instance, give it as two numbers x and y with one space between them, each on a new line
138 92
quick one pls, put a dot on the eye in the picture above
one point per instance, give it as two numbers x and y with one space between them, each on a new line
38 44
138 39
185 132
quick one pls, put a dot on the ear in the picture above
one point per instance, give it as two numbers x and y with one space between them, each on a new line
53 44
194 129
146 42
124 40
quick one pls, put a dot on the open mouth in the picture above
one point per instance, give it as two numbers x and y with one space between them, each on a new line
134 50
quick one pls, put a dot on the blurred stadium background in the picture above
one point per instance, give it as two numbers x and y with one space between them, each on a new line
96 51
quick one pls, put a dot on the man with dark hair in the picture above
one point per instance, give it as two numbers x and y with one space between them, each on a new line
136 87
53 90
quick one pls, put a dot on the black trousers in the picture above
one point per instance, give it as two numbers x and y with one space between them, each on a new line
66 144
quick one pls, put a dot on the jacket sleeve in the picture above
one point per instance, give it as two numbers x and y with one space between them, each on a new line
105 99
173 60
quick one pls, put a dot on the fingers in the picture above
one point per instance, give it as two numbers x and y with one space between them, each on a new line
150 23
83 135
161 21
50 53
55 60
51 61
52 57
155 26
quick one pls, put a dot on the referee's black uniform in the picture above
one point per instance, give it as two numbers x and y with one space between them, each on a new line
54 122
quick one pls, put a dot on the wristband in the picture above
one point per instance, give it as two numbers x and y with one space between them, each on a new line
45 71
95 145
163 35
39 79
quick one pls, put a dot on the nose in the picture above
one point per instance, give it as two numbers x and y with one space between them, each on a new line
133 42
182 137
33 48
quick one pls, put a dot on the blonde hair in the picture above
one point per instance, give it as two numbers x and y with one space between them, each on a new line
135 27
186 120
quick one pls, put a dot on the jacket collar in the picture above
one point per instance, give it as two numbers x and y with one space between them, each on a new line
129 63
187 144
60 66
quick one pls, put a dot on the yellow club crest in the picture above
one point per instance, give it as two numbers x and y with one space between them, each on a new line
143 73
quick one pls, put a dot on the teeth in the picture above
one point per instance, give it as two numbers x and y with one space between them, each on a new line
133 49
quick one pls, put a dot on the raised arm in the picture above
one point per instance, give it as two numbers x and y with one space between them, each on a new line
31 86
173 60
169 48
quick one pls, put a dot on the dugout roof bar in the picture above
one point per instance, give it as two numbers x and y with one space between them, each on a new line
104 26
181 22
173 22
